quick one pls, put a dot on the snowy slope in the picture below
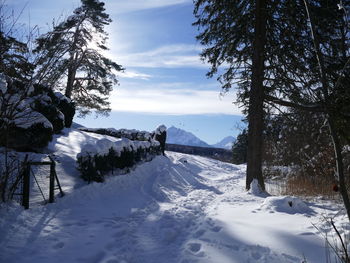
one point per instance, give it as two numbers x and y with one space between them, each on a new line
182 137
225 143
178 208
65 147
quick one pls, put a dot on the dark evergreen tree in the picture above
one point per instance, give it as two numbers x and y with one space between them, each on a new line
71 52
14 60
327 59
235 36
239 148
289 64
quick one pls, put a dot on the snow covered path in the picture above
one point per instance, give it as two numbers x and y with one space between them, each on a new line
179 208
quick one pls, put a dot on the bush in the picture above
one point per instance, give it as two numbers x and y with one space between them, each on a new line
133 135
67 107
56 107
21 126
30 114
46 108
32 138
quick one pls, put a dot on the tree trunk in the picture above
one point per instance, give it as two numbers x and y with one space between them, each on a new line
70 80
256 99
72 68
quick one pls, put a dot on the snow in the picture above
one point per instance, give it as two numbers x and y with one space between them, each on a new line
182 137
286 204
3 83
28 118
255 189
30 90
130 134
160 129
19 108
61 97
102 147
65 147
176 208
60 115
225 143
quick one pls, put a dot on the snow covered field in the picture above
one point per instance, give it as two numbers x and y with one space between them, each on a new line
178 208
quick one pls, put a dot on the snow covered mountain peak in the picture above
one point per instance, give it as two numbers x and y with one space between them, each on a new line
225 143
182 137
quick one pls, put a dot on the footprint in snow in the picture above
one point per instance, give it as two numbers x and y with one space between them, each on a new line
58 245
210 222
195 248
256 255
199 233
216 228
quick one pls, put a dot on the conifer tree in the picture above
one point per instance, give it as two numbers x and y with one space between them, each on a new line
234 33
290 75
239 148
14 61
71 56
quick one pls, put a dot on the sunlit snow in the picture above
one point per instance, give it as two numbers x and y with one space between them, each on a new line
176 208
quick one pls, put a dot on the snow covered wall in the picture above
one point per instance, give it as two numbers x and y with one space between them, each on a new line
104 157
134 135
31 114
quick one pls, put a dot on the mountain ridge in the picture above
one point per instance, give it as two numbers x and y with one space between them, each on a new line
182 137
225 143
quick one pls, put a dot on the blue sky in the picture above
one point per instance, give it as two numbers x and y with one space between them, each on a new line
164 81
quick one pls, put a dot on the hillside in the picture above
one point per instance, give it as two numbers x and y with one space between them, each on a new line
176 208
225 143
182 137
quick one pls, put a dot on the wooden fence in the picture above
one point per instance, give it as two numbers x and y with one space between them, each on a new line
54 183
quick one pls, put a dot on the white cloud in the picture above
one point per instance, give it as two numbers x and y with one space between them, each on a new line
170 56
125 6
161 100
129 74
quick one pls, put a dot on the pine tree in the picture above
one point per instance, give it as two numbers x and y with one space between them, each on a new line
239 148
72 52
14 60
288 61
235 35
329 69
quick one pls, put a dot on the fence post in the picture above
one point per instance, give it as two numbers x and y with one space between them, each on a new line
26 184
52 182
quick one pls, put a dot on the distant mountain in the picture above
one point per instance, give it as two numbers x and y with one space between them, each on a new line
225 143
179 136
182 137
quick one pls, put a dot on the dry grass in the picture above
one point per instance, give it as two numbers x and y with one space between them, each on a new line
294 182
310 187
